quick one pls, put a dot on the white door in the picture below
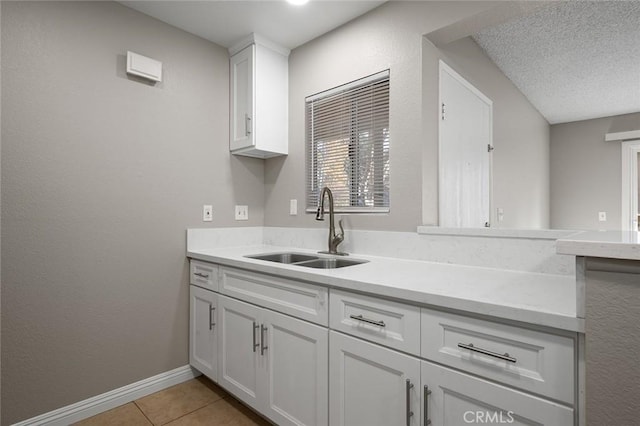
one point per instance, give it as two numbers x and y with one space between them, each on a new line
630 185
369 386
465 146
202 339
242 86
239 348
295 379
458 399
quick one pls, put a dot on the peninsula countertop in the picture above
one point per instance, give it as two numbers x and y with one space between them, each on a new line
603 244
541 299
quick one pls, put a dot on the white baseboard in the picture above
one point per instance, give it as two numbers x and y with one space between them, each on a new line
108 400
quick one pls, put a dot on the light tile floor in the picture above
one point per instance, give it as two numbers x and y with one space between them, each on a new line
196 402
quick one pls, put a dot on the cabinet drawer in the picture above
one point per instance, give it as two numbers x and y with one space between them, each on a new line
302 300
454 399
204 275
530 360
381 321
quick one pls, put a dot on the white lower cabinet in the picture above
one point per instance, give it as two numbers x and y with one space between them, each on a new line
371 385
265 340
452 398
274 363
203 332
239 343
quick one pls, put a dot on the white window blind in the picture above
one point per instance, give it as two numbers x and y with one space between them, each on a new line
347 139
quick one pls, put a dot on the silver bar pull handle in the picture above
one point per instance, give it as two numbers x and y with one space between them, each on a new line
247 125
200 274
211 323
505 356
255 343
367 320
263 347
427 392
409 412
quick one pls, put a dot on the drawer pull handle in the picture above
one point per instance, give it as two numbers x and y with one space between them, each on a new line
263 347
211 323
367 320
255 344
427 392
505 356
408 396
200 274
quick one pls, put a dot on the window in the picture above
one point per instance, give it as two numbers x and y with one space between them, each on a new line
347 140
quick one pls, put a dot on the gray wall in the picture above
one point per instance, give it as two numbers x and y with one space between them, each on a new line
101 175
520 137
387 37
586 172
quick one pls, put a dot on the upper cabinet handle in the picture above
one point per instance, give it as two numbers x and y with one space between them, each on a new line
247 125
200 274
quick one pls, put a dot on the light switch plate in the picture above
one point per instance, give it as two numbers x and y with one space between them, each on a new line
602 216
242 212
293 207
207 213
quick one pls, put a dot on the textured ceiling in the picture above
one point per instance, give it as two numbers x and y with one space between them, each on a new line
225 22
573 60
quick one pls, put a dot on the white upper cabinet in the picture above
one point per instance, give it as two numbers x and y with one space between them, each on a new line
259 72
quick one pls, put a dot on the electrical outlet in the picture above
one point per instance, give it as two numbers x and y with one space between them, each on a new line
242 212
207 213
500 214
293 207
602 216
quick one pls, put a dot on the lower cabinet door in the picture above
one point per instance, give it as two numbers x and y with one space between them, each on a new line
452 398
296 377
239 349
203 351
371 385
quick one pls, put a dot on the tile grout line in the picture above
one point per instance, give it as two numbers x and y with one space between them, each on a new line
191 412
140 409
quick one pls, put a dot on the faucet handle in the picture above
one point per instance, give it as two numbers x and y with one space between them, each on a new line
341 235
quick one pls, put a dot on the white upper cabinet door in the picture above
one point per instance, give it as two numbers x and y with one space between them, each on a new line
371 385
239 343
454 398
202 340
242 98
296 377
259 72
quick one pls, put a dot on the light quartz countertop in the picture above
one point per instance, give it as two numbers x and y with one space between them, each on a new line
605 244
535 298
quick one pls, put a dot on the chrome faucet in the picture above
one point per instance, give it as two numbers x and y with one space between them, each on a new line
334 240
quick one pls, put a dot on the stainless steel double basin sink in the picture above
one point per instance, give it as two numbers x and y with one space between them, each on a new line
307 260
